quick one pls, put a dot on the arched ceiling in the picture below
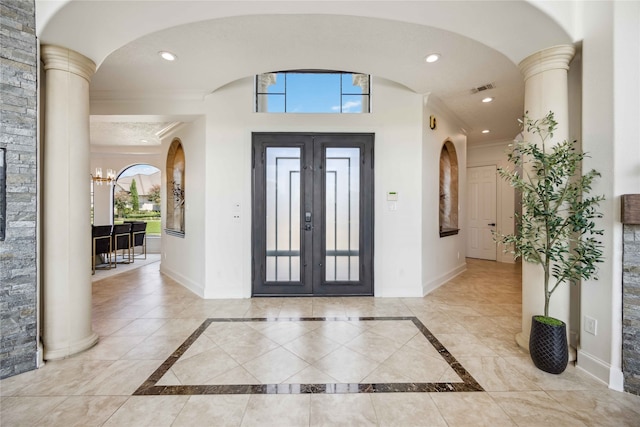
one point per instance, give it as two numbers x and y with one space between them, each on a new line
218 42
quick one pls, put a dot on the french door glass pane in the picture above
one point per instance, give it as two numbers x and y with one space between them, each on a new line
342 214
283 214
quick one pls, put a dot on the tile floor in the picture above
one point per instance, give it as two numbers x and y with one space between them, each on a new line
167 357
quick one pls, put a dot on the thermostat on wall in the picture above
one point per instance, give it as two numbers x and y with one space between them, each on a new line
392 196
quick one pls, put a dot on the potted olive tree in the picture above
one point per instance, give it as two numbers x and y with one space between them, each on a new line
556 229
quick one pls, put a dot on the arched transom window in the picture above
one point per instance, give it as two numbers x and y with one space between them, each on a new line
312 91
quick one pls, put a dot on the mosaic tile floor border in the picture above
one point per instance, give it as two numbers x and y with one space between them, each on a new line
468 383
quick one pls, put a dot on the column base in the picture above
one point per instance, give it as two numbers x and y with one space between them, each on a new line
522 340
72 349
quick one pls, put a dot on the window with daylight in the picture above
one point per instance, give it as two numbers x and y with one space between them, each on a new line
313 92
136 197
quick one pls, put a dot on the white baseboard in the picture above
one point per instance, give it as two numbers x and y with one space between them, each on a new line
616 379
40 355
597 368
184 281
441 280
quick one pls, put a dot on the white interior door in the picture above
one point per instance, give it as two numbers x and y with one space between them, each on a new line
481 191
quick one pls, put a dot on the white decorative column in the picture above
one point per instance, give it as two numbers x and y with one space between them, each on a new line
66 226
546 89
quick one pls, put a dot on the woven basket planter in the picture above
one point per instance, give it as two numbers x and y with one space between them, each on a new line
548 346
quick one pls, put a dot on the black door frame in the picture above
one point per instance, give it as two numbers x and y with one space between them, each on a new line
313 243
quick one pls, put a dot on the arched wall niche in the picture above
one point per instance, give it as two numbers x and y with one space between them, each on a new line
448 205
175 184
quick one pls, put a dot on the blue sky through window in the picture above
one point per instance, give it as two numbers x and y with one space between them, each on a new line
311 93
139 169
315 93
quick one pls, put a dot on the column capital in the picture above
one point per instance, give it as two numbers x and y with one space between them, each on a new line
61 58
553 58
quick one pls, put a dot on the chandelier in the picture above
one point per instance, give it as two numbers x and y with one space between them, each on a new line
99 179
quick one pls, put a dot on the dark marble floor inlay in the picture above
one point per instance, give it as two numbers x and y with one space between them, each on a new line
150 387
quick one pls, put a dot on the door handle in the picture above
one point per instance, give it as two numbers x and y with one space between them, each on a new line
307 220
493 224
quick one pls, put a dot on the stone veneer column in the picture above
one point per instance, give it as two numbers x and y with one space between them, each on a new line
631 308
66 223
630 218
546 89
18 138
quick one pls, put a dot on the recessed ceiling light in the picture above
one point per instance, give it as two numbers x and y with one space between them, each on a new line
487 99
432 57
486 131
167 55
144 141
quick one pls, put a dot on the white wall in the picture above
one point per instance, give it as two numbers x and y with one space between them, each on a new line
626 91
184 257
397 122
610 130
495 154
442 257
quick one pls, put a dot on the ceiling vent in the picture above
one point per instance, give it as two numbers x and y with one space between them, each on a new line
483 87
